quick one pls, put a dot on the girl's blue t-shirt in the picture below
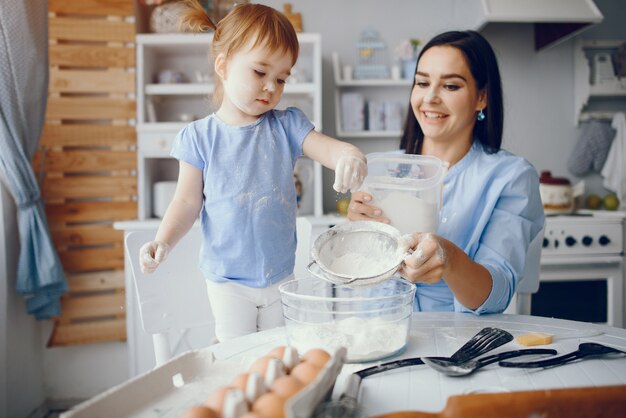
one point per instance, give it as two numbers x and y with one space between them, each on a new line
248 218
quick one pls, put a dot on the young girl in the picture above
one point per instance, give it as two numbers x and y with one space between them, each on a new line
236 170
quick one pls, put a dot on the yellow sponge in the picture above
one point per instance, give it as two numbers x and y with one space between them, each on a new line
534 338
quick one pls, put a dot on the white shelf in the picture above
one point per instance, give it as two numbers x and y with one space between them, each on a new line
612 90
373 83
194 89
584 90
186 54
374 88
369 134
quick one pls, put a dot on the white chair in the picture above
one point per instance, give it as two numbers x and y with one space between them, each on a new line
173 302
529 284
304 230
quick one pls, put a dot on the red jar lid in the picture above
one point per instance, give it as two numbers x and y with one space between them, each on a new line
546 178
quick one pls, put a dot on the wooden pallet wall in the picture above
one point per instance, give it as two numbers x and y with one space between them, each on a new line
87 161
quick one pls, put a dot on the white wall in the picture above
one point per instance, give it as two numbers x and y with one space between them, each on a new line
21 366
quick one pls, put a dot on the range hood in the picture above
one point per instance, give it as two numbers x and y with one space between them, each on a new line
554 20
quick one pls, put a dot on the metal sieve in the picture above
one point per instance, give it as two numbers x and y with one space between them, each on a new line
373 247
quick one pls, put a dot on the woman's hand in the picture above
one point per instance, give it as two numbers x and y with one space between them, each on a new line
428 261
360 209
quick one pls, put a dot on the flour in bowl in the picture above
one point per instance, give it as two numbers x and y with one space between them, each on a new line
366 339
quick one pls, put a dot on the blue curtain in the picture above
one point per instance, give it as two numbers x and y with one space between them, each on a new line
23 91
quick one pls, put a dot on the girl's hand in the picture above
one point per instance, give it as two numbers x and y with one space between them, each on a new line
349 172
429 259
151 254
360 209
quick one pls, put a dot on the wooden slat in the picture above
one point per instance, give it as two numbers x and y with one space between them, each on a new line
83 260
85 161
94 30
91 211
91 81
89 108
92 7
90 56
74 236
98 281
87 333
89 307
88 135
89 187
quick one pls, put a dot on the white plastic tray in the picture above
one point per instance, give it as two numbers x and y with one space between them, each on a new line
187 380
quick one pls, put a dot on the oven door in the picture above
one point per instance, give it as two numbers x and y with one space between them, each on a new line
588 289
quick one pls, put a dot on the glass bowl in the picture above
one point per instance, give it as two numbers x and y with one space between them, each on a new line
370 322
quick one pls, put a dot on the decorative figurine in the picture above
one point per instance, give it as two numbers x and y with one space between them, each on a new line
371 56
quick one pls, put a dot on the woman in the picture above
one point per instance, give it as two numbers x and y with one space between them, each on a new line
491 207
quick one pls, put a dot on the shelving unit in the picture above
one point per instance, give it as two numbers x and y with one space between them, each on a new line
163 109
595 100
387 89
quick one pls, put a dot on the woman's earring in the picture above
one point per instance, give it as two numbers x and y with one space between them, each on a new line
480 116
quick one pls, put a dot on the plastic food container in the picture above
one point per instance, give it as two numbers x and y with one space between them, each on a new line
407 188
371 323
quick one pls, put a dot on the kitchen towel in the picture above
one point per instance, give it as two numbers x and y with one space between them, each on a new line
592 147
613 171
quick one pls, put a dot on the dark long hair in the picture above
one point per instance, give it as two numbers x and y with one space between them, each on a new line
484 68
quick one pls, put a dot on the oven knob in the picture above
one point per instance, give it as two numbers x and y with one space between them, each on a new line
546 243
604 240
587 240
570 241
556 243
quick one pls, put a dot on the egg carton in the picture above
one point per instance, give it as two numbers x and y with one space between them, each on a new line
187 380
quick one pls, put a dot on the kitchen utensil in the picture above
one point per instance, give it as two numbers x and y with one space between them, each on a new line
356 254
371 322
454 369
407 188
484 341
584 350
607 401
557 193
540 338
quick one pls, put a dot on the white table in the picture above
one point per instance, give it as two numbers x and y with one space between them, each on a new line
423 389
169 390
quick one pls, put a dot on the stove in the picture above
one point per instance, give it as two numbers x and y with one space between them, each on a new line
582 268
584 235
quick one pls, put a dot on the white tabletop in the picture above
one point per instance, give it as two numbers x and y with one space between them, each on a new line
420 388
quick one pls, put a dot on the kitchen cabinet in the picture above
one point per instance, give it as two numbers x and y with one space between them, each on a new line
175 85
388 95
598 92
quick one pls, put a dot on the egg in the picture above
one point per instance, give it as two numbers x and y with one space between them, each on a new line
269 405
251 384
316 356
200 411
270 368
287 386
235 404
306 372
288 355
215 401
